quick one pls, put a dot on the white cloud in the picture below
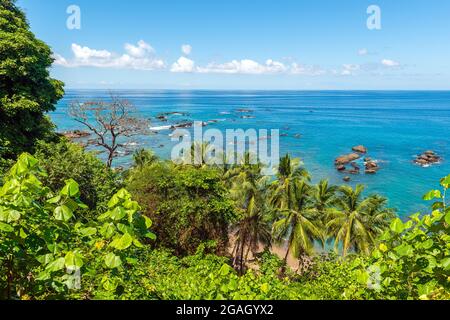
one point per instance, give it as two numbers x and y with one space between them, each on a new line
139 57
85 53
350 69
363 52
299 69
60 60
390 63
183 65
245 66
139 51
186 49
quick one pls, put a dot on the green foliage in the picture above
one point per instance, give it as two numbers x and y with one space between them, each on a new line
26 90
249 190
205 276
413 257
333 278
355 222
46 251
188 205
65 160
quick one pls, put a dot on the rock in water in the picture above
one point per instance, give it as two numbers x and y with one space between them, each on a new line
346 159
76 134
360 149
427 158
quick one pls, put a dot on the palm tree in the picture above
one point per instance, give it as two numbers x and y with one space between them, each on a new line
143 157
324 198
380 216
291 197
249 190
357 221
292 168
296 223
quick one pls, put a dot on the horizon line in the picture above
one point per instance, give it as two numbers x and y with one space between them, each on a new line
264 90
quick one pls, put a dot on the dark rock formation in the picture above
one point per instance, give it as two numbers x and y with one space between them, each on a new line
427 158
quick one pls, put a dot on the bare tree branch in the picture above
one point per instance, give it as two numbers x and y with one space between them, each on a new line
109 121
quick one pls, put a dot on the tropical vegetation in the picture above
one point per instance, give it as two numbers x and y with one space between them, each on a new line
73 227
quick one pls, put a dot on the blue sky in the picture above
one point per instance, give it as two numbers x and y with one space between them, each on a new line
296 44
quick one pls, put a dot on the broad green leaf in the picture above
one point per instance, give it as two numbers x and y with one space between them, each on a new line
427 244
73 259
112 261
148 222
433 194
109 284
404 250
54 200
23 234
150 235
56 265
118 213
426 289
107 230
397 225
45 259
137 243
90 231
445 182
445 263
9 215
6 227
124 228
123 242
113 202
71 189
63 213
447 218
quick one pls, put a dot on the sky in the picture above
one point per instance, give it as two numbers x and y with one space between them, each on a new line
248 45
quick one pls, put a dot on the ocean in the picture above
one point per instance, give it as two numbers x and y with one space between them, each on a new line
316 126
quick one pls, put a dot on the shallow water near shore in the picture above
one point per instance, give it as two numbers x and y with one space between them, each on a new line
316 126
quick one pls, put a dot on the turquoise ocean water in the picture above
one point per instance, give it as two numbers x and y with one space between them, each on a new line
394 125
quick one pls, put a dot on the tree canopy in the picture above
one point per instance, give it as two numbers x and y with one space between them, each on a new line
27 91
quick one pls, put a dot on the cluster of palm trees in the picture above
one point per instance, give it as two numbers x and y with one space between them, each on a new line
291 211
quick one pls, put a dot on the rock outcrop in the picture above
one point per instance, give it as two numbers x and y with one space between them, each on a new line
427 158
345 159
360 149
356 167
76 134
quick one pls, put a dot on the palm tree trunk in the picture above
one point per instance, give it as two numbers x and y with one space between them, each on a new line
241 268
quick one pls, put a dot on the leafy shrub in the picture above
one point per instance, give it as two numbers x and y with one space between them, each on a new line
47 252
208 277
413 257
65 160
333 278
188 205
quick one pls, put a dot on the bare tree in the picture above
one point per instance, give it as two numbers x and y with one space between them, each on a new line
109 122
